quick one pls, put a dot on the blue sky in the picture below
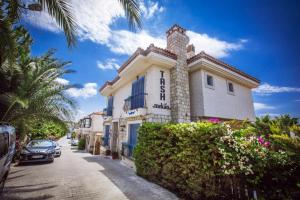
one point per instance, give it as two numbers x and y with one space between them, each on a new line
261 38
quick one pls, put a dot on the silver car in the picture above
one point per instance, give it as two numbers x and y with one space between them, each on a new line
7 150
57 150
74 142
38 151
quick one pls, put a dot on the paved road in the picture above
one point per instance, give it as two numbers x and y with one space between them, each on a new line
78 175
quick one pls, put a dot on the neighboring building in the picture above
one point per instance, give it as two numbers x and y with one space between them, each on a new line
172 84
91 128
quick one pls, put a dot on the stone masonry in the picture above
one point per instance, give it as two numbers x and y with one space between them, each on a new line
177 42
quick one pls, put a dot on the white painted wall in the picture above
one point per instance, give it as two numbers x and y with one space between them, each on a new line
152 86
119 96
97 123
196 94
217 102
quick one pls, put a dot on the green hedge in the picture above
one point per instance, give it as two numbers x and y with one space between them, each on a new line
81 144
180 157
205 160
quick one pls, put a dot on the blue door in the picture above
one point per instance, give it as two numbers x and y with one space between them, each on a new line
132 139
106 136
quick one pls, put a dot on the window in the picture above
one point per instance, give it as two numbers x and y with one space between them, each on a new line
3 144
137 93
87 122
209 81
106 135
110 105
230 87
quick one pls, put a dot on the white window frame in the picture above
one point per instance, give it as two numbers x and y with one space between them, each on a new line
213 79
227 85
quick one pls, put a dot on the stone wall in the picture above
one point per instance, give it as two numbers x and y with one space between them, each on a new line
177 42
158 118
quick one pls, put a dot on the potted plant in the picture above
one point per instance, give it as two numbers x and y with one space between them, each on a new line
107 152
115 155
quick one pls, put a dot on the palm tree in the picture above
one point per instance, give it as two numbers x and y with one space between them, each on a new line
29 90
60 10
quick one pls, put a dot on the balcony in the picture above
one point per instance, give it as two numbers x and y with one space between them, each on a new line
135 102
135 105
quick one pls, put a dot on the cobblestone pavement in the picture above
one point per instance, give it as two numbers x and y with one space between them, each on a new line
78 175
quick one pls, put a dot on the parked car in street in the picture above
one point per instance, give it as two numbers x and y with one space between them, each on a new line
7 150
57 150
74 142
38 151
69 135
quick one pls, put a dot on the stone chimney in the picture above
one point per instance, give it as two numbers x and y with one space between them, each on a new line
177 42
190 51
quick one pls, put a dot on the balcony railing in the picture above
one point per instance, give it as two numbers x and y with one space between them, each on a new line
134 102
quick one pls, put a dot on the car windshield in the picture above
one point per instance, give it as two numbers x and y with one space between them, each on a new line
40 143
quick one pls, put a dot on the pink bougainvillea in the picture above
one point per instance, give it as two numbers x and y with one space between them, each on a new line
263 142
214 120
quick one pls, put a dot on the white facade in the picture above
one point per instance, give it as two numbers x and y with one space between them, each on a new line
229 96
90 127
217 101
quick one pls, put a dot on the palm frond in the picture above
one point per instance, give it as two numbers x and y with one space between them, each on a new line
61 11
132 12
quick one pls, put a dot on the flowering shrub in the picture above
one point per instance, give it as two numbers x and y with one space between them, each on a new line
214 120
208 159
248 155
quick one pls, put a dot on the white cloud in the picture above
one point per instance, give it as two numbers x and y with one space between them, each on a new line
95 18
42 20
267 89
108 64
262 106
62 81
126 42
150 8
272 115
213 46
88 90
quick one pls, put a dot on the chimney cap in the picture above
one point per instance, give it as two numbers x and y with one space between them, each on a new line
177 28
190 48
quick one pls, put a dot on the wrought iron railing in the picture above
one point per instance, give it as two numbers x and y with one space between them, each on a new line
134 102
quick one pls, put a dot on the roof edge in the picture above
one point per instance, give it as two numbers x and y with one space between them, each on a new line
202 54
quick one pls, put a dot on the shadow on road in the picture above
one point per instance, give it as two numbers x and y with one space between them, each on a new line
14 197
34 163
17 171
15 192
13 177
133 186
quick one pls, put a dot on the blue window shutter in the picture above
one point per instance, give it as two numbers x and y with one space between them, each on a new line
133 94
132 140
141 92
110 106
137 93
106 136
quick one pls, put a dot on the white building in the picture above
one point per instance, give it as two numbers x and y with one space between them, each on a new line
91 128
172 84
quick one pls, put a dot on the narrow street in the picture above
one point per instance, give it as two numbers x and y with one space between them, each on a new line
78 175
